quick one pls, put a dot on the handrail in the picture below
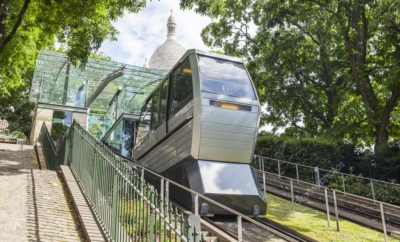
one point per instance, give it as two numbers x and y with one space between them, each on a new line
337 191
369 185
114 189
334 171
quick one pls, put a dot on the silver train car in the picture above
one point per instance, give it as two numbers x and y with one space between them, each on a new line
199 128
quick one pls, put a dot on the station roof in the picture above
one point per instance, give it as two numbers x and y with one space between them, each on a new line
56 81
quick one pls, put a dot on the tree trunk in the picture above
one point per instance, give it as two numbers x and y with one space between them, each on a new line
381 133
6 38
3 18
381 138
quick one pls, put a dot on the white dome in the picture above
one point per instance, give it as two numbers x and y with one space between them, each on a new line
166 56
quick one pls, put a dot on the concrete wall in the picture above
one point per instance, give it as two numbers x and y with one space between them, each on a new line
41 115
46 115
80 118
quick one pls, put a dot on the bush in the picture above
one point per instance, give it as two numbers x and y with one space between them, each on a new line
308 151
340 156
17 134
328 154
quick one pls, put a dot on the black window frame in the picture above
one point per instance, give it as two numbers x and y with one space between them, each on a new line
171 89
162 119
144 108
154 124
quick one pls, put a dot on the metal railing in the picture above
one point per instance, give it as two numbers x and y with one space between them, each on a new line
129 208
126 205
53 158
376 190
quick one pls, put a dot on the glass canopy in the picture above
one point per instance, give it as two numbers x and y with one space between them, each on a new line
56 81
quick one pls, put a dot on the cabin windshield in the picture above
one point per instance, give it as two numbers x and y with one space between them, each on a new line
225 77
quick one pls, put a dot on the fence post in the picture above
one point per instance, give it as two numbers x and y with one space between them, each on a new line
297 172
279 169
373 190
264 184
239 222
327 207
263 164
259 162
142 175
71 145
166 192
383 221
162 194
292 193
336 211
114 208
94 177
196 204
317 180
343 184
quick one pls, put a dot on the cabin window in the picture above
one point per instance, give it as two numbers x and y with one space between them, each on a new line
225 77
163 102
154 109
182 90
144 124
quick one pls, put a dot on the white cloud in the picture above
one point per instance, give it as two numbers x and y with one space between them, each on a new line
140 34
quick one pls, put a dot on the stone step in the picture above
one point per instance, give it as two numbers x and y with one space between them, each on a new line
211 239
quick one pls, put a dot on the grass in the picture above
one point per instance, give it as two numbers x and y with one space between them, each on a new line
313 223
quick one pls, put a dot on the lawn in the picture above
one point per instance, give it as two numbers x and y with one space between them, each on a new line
313 223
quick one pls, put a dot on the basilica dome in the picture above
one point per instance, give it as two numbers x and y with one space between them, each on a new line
166 56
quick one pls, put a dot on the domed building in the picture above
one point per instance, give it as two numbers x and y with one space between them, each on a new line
166 56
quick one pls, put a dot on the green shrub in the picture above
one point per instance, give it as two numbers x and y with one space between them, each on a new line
308 151
17 134
339 156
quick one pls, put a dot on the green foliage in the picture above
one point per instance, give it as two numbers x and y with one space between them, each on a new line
323 68
312 223
17 134
327 154
16 109
306 151
58 129
335 156
28 26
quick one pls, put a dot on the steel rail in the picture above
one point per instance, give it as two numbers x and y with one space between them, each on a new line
333 171
285 230
343 207
337 191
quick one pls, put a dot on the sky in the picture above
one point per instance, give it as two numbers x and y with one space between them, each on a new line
141 33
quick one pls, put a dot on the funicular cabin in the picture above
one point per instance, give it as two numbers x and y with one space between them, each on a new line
199 128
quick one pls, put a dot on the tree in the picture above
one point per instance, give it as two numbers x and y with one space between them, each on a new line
323 67
28 26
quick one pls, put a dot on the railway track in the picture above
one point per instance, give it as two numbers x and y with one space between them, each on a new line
224 228
346 203
251 232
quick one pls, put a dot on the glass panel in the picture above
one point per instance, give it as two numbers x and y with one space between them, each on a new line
128 137
121 138
227 178
163 101
115 137
61 122
144 123
225 77
57 81
154 109
96 123
182 90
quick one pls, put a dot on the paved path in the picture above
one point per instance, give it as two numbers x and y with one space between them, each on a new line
33 206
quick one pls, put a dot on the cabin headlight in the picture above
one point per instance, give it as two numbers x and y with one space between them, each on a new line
256 210
204 208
